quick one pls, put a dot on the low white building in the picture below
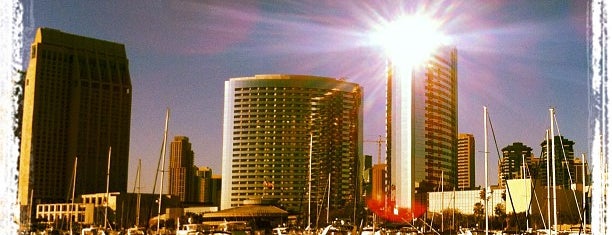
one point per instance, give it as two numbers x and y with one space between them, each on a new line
463 201
81 213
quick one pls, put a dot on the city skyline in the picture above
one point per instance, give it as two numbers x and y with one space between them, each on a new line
517 62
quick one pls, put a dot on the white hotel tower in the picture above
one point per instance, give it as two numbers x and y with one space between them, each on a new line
422 126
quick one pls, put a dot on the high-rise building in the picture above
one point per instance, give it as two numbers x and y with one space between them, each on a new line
215 190
203 181
564 157
277 127
181 170
515 163
466 175
77 103
367 176
379 180
422 125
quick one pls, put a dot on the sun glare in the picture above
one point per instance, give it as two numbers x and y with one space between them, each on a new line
410 39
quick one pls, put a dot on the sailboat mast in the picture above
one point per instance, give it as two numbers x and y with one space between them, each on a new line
328 192
74 211
309 179
554 166
486 172
30 208
524 178
583 191
548 179
107 183
138 194
161 185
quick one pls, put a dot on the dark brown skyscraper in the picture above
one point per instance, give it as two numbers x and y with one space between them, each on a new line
77 103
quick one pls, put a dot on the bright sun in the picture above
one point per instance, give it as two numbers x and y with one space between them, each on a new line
410 39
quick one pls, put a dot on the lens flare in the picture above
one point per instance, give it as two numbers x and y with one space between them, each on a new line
409 40
389 211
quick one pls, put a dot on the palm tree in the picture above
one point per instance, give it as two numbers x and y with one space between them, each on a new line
479 212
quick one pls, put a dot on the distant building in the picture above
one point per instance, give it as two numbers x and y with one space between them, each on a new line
564 156
367 176
203 181
62 213
516 159
123 209
269 122
422 125
77 103
379 181
215 190
464 201
181 170
209 187
466 175
579 171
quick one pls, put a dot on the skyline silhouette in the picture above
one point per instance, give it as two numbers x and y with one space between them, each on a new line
518 58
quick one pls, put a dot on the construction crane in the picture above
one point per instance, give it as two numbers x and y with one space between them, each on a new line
380 141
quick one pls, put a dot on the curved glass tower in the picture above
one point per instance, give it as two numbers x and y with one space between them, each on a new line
267 129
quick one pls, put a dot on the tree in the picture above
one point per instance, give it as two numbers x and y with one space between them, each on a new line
500 215
479 212
478 209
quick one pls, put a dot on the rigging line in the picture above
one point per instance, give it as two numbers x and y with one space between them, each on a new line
534 193
499 160
567 168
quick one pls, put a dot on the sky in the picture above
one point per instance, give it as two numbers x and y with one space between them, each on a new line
518 58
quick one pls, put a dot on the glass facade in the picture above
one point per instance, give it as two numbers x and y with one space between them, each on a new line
269 121
422 126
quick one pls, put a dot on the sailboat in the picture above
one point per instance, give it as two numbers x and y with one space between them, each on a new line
104 229
137 230
486 174
162 160
106 222
76 159
308 229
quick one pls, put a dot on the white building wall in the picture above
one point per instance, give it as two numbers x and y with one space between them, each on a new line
462 201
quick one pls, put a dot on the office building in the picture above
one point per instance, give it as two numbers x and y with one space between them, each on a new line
181 170
422 125
515 163
367 176
379 180
278 128
209 187
466 174
77 103
203 180
215 189
564 157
